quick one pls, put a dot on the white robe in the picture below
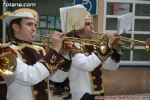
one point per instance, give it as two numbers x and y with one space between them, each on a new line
78 75
19 85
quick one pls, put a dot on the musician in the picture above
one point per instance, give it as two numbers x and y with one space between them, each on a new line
85 73
33 64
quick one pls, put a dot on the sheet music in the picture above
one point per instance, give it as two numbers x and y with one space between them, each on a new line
72 17
124 23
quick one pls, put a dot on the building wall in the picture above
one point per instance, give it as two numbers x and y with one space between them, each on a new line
52 8
100 16
1 11
44 7
126 80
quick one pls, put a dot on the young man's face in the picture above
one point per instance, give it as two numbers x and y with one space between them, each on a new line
27 30
88 29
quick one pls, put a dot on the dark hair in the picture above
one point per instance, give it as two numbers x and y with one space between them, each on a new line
59 30
15 21
72 34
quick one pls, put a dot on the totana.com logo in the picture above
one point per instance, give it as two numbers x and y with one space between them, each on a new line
19 4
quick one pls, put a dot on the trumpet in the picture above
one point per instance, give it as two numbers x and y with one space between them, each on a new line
79 43
102 41
130 43
8 59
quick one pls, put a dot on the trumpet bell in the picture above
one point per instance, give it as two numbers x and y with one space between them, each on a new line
7 64
147 45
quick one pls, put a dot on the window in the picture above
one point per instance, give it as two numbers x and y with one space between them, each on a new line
140 27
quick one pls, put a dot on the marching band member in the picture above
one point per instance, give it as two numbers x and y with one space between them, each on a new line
33 64
85 72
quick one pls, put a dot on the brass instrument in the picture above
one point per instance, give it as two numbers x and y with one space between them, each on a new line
7 61
102 42
130 43
79 43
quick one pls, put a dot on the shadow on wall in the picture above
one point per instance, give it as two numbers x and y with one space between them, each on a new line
126 80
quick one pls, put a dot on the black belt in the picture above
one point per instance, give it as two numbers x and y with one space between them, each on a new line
88 96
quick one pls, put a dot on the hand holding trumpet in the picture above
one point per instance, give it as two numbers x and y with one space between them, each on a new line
114 40
57 40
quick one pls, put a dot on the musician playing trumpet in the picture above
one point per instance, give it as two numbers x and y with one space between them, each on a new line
33 64
85 72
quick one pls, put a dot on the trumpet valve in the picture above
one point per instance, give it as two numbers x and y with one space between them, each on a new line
70 45
103 48
67 45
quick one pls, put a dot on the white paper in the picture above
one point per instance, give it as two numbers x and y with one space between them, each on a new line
124 23
72 17
121 8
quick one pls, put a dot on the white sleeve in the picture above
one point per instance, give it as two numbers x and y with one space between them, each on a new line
85 63
29 75
59 76
110 64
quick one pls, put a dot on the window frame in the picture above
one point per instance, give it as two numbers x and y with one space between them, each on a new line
132 32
